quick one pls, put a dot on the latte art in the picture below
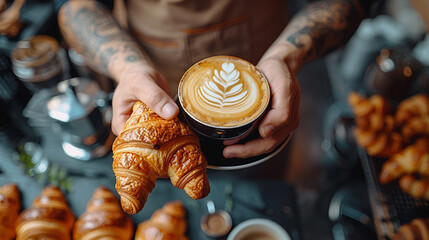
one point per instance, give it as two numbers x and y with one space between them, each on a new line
223 91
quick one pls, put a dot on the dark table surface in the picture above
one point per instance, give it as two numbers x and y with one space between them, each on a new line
249 197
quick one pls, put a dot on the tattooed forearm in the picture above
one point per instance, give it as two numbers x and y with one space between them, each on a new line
323 26
90 28
106 55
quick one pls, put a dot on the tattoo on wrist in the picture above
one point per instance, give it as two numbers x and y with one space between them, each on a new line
106 56
324 25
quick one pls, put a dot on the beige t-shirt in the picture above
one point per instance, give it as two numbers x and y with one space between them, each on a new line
177 33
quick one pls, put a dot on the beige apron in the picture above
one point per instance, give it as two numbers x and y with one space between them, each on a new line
177 33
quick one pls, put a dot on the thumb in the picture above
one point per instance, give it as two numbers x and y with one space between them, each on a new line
158 100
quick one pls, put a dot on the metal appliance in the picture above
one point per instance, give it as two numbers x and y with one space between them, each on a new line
80 111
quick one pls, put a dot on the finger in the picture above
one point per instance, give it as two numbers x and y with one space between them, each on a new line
237 139
118 123
158 100
280 116
122 109
258 146
284 110
251 148
230 142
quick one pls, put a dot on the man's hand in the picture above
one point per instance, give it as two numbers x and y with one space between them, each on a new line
147 85
283 117
90 29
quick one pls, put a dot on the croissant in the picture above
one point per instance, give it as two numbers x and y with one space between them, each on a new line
378 144
374 126
417 188
103 218
149 147
413 159
376 123
10 204
367 133
417 105
49 217
167 223
416 126
417 229
422 143
363 107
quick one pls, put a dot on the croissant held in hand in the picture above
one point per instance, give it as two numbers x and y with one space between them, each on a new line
150 146
10 204
166 223
103 218
48 218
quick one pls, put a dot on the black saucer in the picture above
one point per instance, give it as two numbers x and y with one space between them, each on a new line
213 148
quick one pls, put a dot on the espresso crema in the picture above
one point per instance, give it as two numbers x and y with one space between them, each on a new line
224 91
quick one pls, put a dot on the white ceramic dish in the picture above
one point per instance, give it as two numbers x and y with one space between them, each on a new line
254 226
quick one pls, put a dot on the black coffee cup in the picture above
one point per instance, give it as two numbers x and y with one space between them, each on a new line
223 97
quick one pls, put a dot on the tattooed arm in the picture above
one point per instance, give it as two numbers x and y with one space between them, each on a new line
317 29
314 31
90 29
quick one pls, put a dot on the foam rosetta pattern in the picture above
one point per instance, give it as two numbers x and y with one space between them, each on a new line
225 89
224 92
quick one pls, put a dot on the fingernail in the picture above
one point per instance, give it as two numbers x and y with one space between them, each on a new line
228 155
267 130
169 109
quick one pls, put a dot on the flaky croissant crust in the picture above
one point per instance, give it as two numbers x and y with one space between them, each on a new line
10 204
149 147
103 218
48 217
167 223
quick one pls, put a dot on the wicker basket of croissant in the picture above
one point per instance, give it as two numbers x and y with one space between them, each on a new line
399 136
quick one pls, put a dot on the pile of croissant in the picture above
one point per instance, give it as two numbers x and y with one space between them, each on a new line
400 135
50 217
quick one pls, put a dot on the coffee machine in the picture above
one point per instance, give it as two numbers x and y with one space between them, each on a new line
82 113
